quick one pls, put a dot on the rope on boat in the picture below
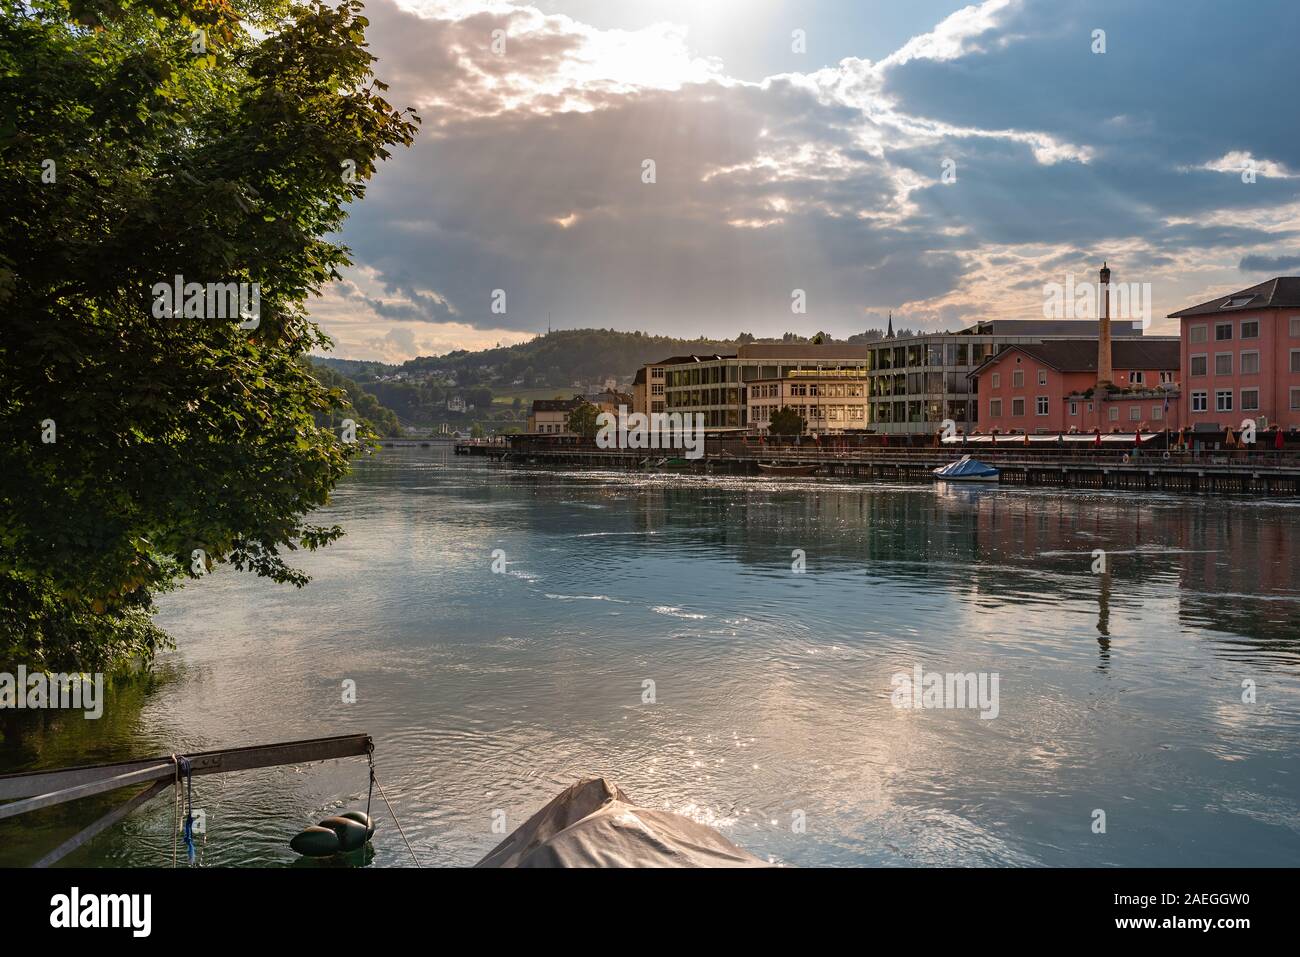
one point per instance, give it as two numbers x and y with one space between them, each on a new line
183 796
176 808
189 806
374 783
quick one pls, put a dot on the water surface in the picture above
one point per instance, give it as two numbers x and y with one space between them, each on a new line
487 693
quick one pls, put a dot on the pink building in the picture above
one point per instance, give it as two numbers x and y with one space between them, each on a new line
1052 387
1241 357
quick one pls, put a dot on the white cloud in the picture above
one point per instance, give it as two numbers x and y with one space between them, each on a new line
956 36
1238 161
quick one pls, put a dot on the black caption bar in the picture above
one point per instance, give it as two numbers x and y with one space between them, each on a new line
138 907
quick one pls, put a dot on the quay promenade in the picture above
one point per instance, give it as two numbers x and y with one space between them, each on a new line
1240 471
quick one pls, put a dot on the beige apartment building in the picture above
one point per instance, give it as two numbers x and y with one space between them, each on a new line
648 388
551 416
717 386
829 400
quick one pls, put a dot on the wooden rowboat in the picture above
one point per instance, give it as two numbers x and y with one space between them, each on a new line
792 471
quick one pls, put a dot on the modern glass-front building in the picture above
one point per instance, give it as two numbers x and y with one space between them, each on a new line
913 383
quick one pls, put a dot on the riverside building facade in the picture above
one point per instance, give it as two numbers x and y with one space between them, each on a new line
828 400
1241 357
551 416
1053 387
1085 385
909 385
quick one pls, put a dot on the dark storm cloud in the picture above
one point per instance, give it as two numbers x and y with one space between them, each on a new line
1270 264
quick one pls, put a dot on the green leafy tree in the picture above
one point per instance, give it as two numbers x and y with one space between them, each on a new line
141 140
786 421
582 420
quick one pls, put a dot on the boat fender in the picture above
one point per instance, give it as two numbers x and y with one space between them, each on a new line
346 832
1125 459
352 835
362 818
1166 455
316 841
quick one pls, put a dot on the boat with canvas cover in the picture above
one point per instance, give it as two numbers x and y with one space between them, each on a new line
967 469
595 824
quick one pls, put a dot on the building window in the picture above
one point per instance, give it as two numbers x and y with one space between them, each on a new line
1074 408
1135 413
1166 377
1249 363
1249 400
1199 364
1250 329
1223 363
1295 400
1018 379
1041 405
1042 377
1017 407
1137 378
1200 401
1295 360
1223 400
1157 413
997 380
1198 333
995 408
1113 413
1222 331
1295 327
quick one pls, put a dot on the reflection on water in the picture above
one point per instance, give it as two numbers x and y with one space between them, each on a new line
1120 690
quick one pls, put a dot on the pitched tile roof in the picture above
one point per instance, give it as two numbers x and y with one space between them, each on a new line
1080 355
1280 292
555 405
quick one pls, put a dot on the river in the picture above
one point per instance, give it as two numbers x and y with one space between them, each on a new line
503 627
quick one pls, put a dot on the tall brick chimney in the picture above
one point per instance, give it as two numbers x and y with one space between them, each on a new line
1104 371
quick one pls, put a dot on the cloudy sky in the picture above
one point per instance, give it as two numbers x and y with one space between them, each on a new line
802 144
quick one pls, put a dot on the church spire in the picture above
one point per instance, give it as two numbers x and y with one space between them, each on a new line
890 333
